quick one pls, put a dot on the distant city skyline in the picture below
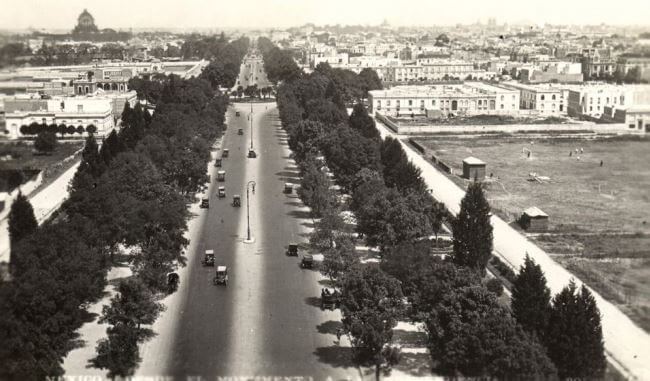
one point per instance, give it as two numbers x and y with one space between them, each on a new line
188 14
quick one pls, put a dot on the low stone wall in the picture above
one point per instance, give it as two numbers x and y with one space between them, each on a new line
441 164
417 145
615 128
618 128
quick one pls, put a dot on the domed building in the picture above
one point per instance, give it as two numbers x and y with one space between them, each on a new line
85 24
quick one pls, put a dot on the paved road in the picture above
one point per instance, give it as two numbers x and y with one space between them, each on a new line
625 343
251 72
267 321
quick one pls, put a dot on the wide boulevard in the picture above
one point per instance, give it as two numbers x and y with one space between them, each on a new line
267 321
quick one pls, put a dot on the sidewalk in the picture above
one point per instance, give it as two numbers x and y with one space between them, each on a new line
625 343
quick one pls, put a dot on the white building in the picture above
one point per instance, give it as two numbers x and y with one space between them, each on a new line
546 99
470 98
102 111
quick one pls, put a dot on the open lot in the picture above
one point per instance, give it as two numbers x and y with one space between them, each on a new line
599 226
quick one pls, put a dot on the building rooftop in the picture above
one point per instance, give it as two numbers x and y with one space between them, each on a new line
534 211
473 161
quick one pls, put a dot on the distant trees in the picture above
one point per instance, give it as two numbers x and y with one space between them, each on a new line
362 122
45 142
472 230
370 81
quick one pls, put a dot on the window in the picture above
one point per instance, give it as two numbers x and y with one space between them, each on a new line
591 108
502 97
388 103
607 100
433 102
553 98
410 102
501 106
598 100
542 97
591 101
80 108
631 126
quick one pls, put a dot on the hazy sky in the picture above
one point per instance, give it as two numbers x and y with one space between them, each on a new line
283 13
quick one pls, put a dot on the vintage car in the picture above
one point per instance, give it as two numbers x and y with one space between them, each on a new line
217 163
307 261
225 153
236 200
208 258
240 131
221 277
237 113
221 192
292 249
288 188
252 154
172 282
329 299
205 203
221 175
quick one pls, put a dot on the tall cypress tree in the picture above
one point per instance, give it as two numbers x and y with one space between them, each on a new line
21 219
472 230
574 338
91 167
531 298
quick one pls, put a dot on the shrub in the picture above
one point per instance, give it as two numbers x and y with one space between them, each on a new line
495 286
503 269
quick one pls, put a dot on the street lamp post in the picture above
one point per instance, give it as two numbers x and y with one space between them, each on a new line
251 125
248 216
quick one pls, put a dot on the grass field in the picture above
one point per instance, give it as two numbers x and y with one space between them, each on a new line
599 225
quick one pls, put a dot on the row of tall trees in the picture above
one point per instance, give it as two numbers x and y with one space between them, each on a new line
470 332
132 191
62 129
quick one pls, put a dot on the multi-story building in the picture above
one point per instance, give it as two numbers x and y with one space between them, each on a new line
470 98
102 111
592 98
437 70
625 64
546 99
597 63
562 72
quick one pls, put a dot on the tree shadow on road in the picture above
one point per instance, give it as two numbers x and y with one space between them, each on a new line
336 356
329 327
313 301
300 214
289 174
